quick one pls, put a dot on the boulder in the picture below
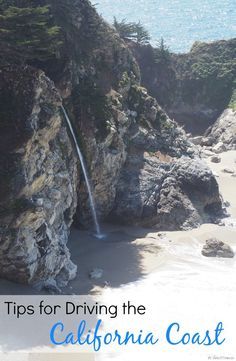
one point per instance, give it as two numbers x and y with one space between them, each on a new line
215 159
216 248
178 194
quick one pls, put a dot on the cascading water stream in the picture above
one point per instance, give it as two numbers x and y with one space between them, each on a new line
98 233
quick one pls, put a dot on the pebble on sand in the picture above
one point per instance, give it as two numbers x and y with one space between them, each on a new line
228 170
215 159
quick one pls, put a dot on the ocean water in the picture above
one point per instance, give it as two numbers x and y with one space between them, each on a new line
179 22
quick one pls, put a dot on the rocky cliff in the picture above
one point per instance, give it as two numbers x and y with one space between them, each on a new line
143 168
38 179
194 88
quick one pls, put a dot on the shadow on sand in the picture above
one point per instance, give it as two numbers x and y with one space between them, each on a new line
119 255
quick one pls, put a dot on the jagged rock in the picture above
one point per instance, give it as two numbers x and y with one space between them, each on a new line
215 159
224 131
178 194
38 169
216 248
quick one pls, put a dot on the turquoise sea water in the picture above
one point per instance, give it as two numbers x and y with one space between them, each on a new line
179 22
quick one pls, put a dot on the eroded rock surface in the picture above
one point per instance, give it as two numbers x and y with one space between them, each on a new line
143 168
38 171
170 194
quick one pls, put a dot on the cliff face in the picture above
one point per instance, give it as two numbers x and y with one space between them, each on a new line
143 168
125 135
38 179
194 88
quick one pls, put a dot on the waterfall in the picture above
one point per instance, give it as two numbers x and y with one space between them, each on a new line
98 233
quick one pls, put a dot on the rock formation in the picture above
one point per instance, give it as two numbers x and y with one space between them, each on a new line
143 168
223 130
216 248
220 137
38 179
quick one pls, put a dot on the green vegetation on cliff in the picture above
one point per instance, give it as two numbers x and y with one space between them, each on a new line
194 88
210 68
27 32
132 31
161 52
